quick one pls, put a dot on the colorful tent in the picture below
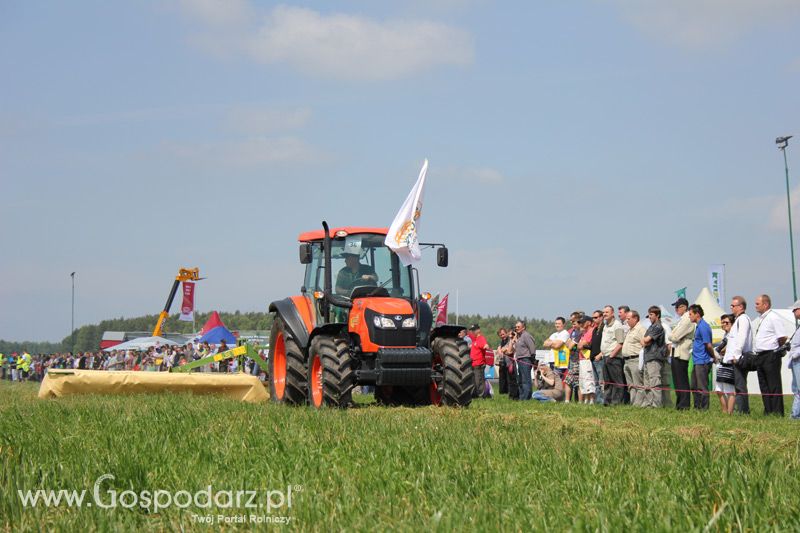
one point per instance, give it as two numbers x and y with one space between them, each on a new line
213 321
217 334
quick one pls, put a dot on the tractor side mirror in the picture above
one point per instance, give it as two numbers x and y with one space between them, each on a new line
305 253
441 256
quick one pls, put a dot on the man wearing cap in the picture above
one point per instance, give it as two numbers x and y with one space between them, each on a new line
610 346
478 355
769 336
353 274
681 339
549 387
794 364
524 355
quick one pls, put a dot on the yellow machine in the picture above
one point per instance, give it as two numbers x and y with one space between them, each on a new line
184 274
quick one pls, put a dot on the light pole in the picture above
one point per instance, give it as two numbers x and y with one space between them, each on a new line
72 331
782 143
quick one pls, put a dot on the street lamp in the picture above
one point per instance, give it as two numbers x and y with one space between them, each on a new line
782 143
72 331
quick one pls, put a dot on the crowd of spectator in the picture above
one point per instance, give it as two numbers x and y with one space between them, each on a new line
603 358
614 356
26 367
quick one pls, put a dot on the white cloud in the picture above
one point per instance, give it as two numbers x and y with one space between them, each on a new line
339 46
779 214
705 24
252 152
217 12
262 120
770 211
480 175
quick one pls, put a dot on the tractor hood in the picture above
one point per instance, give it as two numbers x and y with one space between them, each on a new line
383 322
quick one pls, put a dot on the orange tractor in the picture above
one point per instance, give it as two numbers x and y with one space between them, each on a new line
370 327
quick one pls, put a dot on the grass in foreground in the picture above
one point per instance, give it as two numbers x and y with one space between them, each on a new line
497 465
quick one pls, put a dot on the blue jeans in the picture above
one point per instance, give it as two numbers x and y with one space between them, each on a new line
524 370
541 397
796 388
598 367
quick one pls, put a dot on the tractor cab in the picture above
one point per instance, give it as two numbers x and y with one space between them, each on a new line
361 265
372 292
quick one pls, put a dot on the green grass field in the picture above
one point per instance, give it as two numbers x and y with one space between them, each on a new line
496 465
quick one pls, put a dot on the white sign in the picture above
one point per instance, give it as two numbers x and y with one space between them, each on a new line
716 282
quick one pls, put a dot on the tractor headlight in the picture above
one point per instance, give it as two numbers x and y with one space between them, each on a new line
383 322
410 322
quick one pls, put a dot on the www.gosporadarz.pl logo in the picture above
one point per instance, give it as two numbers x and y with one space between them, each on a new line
104 496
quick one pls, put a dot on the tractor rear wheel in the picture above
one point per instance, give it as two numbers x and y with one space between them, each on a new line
451 359
287 370
331 377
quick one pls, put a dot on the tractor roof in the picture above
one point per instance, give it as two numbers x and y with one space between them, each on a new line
318 235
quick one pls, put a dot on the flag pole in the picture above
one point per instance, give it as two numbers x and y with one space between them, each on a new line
456 306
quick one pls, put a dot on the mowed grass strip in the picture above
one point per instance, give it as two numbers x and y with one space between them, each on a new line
495 465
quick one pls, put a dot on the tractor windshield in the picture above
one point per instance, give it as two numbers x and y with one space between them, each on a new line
359 260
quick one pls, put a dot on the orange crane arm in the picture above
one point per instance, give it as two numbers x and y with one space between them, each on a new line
184 274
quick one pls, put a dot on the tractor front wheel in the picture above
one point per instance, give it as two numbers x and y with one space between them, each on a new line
287 372
451 360
331 377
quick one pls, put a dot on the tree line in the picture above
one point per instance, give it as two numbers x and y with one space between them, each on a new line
87 338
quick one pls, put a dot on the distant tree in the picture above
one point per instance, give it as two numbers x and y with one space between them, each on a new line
88 337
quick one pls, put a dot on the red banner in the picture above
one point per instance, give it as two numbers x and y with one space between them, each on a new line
187 307
441 314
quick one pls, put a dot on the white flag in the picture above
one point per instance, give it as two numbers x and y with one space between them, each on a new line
403 234
716 282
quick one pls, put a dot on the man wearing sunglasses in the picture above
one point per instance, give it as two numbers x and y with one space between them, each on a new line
739 342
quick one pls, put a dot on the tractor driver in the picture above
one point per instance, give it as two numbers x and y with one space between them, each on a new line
354 274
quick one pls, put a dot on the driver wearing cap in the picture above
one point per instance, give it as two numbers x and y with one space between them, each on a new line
354 274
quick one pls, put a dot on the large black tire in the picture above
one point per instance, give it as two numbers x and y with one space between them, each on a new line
287 367
451 358
331 376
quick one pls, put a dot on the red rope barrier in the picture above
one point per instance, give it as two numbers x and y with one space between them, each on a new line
643 387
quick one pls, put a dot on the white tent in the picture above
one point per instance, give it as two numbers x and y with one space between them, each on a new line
711 309
142 343
711 312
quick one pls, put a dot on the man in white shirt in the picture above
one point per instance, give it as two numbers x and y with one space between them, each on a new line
769 336
794 364
739 341
557 343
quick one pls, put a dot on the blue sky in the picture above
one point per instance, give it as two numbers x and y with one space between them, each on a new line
581 153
